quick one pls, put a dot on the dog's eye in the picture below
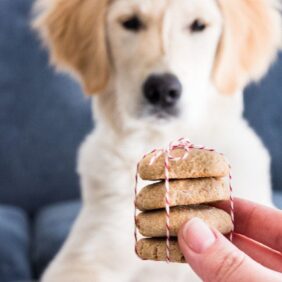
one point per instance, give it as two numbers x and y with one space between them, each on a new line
133 24
198 26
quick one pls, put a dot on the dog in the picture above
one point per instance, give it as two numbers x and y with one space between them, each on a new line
157 70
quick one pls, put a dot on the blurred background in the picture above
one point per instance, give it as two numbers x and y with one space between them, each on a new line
43 119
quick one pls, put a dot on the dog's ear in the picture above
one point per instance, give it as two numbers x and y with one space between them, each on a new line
250 40
74 31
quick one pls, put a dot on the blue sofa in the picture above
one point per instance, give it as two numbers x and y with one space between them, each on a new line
43 119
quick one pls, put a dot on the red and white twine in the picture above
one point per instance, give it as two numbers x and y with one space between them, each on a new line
187 146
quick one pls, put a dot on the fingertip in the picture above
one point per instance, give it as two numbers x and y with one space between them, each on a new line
197 236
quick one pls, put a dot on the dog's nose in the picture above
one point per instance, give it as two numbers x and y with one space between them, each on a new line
162 90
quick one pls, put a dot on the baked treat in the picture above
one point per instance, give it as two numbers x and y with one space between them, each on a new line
198 164
183 192
194 182
153 223
155 249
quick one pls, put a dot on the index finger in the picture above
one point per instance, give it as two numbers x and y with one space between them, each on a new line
258 222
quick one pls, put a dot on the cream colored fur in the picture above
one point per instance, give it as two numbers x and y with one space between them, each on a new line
86 38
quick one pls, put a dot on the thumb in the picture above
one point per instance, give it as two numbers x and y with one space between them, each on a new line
214 258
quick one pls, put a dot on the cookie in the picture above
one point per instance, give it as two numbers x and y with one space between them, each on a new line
183 192
198 164
153 223
155 249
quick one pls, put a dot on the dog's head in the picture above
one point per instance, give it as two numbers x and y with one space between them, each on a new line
161 56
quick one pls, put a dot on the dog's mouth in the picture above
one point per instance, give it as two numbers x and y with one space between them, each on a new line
157 113
161 114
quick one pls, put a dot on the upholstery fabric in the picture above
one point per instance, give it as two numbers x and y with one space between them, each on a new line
43 118
14 245
51 227
263 103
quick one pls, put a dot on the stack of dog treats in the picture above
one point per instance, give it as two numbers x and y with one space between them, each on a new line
195 181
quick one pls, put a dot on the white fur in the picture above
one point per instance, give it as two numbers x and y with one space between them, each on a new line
100 246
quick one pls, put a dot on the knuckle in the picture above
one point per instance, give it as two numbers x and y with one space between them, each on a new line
229 265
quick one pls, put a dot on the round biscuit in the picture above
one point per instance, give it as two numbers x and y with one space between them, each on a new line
198 164
153 223
183 192
155 249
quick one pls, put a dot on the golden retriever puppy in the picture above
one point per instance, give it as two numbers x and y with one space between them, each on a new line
159 70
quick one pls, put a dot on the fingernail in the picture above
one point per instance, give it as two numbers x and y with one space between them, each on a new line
198 236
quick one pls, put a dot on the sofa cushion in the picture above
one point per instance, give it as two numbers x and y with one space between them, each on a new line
43 117
263 110
277 199
51 228
15 245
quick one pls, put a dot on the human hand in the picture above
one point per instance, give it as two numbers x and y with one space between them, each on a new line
256 256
